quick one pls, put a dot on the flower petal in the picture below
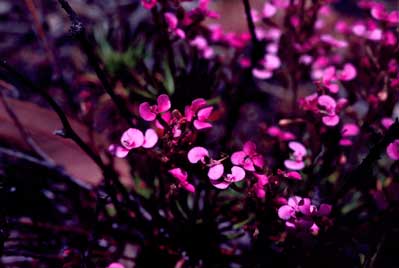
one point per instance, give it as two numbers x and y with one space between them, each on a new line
294 165
179 174
220 185
132 138
297 147
393 150
216 172
237 158
204 113
118 151
249 148
201 124
331 120
150 138
285 212
238 174
146 112
197 154
163 103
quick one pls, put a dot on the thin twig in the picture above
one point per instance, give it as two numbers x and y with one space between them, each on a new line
251 27
78 31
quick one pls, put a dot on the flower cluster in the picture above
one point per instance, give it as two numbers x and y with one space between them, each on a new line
300 213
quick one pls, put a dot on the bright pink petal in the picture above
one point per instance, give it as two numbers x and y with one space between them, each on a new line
179 174
297 147
189 187
171 20
197 154
118 151
204 113
216 172
197 104
272 62
331 120
132 138
393 150
348 73
294 201
201 124
146 113
327 102
293 175
269 10
249 148
115 265
261 73
238 174
249 165
314 229
350 130
258 161
220 185
150 138
387 122
237 158
304 206
345 142
285 212
163 103
333 88
148 4
294 165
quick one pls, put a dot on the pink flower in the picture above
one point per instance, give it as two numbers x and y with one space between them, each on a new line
269 10
116 265
260 184
248 157
300 213
181 175
378 12
387 122
329 79
329 39
393 150
148 4
171 21
237 174
269 63
329 105
348 73
134 138
149 113
199 113
202 45
294 175
197 154
296 161
280 134
348 130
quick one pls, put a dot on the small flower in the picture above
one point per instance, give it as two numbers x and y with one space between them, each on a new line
148 4
216 171
237 174
393 150
296 161
348 73
172 22
269 10
348 130
197 154
199 113
133 138
329 105
260 184
248 158
181 175
116 265
149 113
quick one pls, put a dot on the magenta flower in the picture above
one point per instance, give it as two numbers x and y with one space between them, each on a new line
269 63
387 122
269 10
329 105
171 21
134 138
181 175
260 184
296 161
197 154
116 265
393 150
378 12
299 213
275 131
148 4
248 157
348 73
348 130
149 113
199 113
237 174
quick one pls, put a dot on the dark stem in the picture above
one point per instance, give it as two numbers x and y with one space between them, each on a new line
78 31
251 27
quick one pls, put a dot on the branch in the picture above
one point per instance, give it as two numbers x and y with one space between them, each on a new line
358 177
78 31
251 26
